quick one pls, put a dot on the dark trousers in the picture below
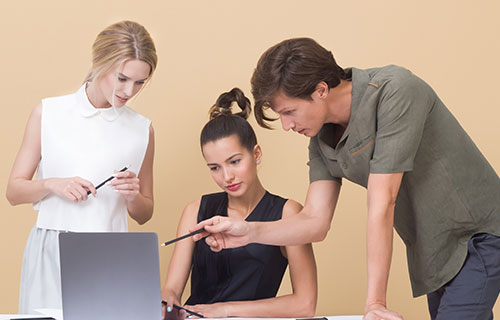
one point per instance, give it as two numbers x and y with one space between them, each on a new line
472 293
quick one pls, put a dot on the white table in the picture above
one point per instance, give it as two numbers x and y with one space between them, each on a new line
28 316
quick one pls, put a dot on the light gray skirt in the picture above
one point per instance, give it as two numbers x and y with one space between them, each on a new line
40 275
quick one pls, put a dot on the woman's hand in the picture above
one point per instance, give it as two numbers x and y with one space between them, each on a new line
168 311
75 189
126 183
214 310
380 312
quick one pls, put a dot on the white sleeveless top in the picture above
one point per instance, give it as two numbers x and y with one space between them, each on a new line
78 139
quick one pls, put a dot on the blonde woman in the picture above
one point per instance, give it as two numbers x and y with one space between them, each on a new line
74 142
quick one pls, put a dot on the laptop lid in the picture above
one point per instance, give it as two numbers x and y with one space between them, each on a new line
110 276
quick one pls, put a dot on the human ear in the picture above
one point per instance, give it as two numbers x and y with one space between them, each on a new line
257 153
321 90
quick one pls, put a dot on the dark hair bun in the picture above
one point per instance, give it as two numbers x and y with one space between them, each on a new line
222 106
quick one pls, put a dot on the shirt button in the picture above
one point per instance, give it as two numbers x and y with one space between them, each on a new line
344 165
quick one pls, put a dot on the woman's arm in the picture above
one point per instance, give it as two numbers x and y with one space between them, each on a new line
180 262
300 303
138 190
382 193
22 189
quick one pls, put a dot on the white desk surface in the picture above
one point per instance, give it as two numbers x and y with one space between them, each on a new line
315 317
20 316
27 316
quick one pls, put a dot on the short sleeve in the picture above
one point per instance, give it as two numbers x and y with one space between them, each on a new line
401 116
317 167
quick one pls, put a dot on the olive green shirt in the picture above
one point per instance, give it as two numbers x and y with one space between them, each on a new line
449 191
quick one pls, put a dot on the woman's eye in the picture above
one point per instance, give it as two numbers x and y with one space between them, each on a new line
235 161
214 168
122 79
140 83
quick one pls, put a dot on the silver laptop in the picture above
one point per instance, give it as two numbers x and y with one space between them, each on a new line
110 276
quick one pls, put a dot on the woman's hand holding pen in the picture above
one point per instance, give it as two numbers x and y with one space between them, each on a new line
169 299
169 312
126 183
223 232
74 188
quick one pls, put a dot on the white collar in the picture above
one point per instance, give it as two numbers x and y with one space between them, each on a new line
87 110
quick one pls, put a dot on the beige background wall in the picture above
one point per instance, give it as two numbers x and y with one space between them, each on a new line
206 47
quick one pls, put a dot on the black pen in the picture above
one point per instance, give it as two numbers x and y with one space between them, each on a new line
183 237
109 179
182 308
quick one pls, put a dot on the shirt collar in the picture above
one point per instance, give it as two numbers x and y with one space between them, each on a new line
87 110
360 79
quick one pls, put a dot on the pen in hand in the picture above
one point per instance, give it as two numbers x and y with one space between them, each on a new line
109 179
183 237
182 308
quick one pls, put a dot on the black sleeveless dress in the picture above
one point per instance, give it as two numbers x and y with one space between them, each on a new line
251 272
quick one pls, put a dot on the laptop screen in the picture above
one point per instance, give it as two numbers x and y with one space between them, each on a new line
110 276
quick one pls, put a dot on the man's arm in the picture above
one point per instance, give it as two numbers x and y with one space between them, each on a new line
382 193
310 225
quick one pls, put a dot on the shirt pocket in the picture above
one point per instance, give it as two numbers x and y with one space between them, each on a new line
359 157
364 146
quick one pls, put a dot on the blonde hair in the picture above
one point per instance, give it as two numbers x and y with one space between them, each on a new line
119 42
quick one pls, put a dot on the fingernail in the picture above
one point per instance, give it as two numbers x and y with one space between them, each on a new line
169 309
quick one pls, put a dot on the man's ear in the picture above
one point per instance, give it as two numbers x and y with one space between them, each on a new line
321 90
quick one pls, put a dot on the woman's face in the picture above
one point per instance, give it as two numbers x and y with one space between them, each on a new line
233 167
123 81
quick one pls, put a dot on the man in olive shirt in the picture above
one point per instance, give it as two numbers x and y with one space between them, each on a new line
387 130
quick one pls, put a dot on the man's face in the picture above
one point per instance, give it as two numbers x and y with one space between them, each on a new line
300 115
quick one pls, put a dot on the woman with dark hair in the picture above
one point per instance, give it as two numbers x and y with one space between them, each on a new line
241 282
386 130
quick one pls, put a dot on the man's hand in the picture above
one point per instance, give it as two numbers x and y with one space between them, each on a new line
378 311
223 232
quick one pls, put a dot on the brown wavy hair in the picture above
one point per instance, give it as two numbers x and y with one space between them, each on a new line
294 67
